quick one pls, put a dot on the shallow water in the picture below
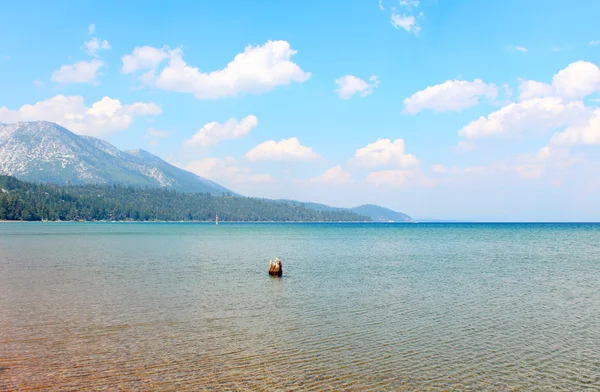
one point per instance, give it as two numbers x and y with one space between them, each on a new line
135 306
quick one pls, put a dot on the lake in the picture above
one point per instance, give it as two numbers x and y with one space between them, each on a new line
188 306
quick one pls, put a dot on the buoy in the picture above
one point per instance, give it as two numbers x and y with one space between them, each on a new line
275 267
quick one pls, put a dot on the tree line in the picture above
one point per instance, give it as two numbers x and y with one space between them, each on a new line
36 202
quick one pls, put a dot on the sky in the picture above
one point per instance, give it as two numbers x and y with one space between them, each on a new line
466 109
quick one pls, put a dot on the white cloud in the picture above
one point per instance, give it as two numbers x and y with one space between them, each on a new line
80 72
577 80
384 152
38 83
285 149
452 95
381 5
407 22
594 42
213 132
104 116
521 49
536 165
91 29
537 114
334 176
144 58
532 89
349 85
143 109
587 133
92 46
257 70
409 3
220 169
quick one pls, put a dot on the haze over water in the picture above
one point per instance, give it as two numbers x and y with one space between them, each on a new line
360 306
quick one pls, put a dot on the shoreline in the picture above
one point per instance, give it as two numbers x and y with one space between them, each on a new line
190 221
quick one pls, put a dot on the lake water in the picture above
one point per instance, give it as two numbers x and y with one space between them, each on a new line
158 306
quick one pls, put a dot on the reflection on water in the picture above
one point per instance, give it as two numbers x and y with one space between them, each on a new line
360 307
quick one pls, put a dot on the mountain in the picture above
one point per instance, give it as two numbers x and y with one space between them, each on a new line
46 152
33 202
381 214
374 212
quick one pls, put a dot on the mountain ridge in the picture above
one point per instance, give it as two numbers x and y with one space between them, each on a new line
42 151
45 152
375 212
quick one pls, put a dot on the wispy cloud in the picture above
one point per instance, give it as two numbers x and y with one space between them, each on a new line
349 85
521 49
405 17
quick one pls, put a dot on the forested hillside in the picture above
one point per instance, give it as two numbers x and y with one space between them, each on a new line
33 202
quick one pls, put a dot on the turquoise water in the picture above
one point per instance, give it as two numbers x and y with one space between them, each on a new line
160 306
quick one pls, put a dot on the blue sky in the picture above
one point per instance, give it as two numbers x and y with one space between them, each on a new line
476 110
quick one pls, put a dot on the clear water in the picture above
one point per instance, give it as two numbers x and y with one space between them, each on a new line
360 307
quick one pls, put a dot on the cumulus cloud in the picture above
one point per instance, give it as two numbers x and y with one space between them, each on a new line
532 89
349 85
257 70
213 132
144 58
452 95
587 133
83 71
80 72
104 116
384 152
92 46
227 169
577 80
284 150
537 114
334 176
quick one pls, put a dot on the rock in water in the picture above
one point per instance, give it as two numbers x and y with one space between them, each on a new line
275 267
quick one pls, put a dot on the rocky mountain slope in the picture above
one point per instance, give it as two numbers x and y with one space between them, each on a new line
42 151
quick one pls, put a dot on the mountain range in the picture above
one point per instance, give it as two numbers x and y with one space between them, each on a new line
45 152
376 213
